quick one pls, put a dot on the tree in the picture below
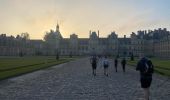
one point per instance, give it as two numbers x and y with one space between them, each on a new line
21 54
71 55
25 36
46 37
132 57
117 56
51 42
57 54
49 36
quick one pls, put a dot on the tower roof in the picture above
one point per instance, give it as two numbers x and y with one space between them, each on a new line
57 27
93 35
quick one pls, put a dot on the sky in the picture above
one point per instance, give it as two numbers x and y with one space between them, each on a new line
80 16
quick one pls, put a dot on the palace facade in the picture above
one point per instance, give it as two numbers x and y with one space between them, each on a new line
150 43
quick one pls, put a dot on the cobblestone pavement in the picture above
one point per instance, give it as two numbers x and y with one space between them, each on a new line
74 81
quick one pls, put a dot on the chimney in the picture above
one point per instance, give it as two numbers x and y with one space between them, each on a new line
145 32
124 36
98 33
90 33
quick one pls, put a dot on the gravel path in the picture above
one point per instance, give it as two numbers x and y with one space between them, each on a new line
74 81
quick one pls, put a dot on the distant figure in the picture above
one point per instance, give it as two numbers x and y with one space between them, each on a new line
100 61
93 61
146 69
105 65
123 62
116 63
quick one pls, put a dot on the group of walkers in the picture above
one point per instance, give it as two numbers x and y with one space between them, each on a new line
104 61
144 65
123 63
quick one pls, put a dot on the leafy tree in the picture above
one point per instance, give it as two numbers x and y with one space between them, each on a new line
57 54
50 39
71 55
49 36
132 57
21 54
25 36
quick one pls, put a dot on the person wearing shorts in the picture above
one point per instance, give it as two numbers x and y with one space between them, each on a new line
145 81
116 63
146 69
123 62
105 65
94 65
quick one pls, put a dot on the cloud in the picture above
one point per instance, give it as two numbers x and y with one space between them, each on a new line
80 16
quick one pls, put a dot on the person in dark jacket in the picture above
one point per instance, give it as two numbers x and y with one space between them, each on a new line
116 63
93 61
123 62
146 69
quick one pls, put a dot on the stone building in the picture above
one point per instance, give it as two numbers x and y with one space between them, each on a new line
154 43
14 46
151 43
83 46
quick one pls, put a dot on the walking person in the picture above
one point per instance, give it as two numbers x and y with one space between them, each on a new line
146 69
93 61
100 61
105 65
123 62
116 63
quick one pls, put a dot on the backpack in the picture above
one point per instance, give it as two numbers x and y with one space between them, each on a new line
148 69
94 60
106 63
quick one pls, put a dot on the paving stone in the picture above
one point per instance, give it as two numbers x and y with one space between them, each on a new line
74 81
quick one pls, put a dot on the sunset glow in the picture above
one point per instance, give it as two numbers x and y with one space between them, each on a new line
79 16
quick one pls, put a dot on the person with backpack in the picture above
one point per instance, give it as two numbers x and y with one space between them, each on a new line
116 63
123 62
93 61
146 69
105 65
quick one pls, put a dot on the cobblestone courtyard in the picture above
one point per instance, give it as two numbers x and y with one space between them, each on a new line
74 81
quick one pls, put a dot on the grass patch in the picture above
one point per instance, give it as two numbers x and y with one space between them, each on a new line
10 67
